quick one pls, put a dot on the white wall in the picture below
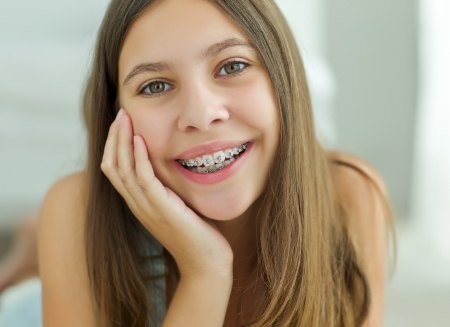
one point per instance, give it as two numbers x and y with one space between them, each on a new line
307 20
431 194
45 47
372 48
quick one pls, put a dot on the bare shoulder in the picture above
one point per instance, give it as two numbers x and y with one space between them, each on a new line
62 263
70 190
64 206
351 171
363 194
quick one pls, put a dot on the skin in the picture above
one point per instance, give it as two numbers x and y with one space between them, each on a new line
201 102
364 194
20 262
212 242
214 88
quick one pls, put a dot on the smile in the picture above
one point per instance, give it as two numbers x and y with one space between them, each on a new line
211 163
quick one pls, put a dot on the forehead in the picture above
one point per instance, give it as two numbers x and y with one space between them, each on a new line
171 28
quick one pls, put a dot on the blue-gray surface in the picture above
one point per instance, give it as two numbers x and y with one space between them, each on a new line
20 306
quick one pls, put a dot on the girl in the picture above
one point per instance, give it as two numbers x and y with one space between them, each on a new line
207 200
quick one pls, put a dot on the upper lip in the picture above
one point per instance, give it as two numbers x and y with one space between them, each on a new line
208 148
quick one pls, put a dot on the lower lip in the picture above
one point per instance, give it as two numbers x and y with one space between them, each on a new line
218 176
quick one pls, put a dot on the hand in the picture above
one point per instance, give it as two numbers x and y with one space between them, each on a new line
198 248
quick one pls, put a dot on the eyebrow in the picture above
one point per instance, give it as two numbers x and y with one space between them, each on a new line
212 51
216 48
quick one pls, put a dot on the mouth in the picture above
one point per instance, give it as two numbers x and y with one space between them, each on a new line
214 162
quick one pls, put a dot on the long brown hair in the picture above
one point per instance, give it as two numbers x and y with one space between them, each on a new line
306 260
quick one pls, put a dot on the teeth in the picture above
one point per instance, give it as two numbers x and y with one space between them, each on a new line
213 168
198 162
228 153
208 160
219 157
216 167
216 158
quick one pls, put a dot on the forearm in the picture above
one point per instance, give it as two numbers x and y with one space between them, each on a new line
200 302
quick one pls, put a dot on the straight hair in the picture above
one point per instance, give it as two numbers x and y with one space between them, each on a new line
308 265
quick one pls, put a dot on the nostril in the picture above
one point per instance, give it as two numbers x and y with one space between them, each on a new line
199 123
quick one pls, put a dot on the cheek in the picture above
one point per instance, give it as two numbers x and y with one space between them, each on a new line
154 128
255 103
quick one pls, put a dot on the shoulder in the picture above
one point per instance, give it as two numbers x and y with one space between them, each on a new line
63 208
350 171
69 190
360 189
62 262
363 195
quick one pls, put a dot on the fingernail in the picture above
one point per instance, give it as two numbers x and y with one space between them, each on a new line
121 117
119 114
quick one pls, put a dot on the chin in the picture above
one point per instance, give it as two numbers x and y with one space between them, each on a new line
222 210
220 215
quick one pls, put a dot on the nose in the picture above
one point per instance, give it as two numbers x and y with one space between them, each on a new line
201 108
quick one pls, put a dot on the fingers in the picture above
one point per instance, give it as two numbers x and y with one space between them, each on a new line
109 160
114 157
110 153
144 170
126 164
125 160
146 179
161 211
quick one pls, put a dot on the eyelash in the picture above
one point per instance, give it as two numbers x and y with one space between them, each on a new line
168 86
234 62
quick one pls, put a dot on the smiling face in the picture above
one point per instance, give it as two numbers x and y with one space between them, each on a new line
195 88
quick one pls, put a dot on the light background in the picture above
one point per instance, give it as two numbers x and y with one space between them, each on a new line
379 77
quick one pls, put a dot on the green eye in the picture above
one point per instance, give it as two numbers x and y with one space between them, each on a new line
232 68
156 88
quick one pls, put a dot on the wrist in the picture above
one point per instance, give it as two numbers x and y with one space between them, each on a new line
200 300
219 286
212 270
224 275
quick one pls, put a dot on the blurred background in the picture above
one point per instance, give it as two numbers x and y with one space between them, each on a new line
379 73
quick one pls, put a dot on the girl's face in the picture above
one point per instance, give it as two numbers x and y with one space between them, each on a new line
196 91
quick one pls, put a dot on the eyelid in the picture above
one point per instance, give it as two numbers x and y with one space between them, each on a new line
246 64
231 61
148 83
